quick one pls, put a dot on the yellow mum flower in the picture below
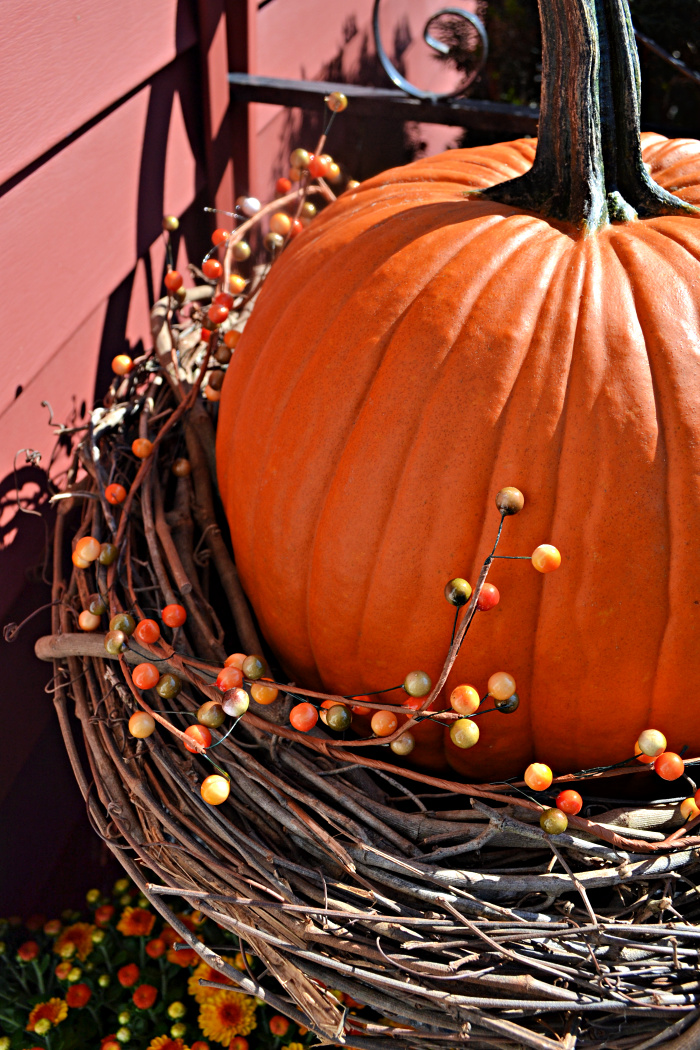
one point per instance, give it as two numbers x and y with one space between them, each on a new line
208 973
227 1014
164 1042
294 1046
54 1011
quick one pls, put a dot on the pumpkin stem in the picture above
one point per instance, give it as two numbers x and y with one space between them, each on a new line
588 169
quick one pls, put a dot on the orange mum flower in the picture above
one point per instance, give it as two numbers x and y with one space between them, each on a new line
185 957
55 1011
79 937
227 1014
136 922
164 1042
207 973
128 975
279 1025
108 1039
145 996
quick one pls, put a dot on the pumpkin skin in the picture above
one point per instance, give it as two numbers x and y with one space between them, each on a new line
411 354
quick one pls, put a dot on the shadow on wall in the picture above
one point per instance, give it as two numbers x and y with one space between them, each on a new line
361 147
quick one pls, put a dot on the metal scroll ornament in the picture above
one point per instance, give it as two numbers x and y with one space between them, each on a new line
438 46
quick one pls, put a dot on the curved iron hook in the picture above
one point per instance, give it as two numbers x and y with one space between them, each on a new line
437 45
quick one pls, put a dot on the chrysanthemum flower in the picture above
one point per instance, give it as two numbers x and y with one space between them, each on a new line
165 1042
279 1025
103 914
144 996
207 973
184 957
227 1014
28 951
54 1011
293 1046
136 922
78 995
155 948
79 937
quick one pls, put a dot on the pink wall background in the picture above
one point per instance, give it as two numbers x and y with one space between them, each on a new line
112 115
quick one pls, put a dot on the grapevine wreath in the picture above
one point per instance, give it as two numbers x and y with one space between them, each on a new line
375 827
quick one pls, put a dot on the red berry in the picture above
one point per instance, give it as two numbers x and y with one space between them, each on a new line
172 280
115 493
296 227
199 734
282 186
204 335
303 717
570 802
217 313
145 676
229 678
212 269
219 236
319 166
489 597
669 766
147 632
173 615
224 299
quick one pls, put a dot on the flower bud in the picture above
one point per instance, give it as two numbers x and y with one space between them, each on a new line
123 1035
74 974
124 1017
42 1026
177 1009
178 1030
104 980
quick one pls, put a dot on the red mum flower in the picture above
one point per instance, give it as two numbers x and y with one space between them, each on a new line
109 1042
145 996
78 995
28 951
155 948
103 914
136 922
54 1010
184 957
128 975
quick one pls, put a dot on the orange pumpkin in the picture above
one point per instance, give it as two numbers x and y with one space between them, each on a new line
419 348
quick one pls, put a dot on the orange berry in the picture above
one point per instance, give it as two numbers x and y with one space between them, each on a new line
236 283
538 776
229 678
219 236
689 809
215 789
88 548
546 558
235 660
122 364
570 802
145 676
384 723
115 493
303 717
501 685
231 338
197 734
465 700
142 448
141 724
147 632
280 223
173 615
88 621
263 694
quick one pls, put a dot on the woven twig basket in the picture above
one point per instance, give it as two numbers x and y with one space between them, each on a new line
441 906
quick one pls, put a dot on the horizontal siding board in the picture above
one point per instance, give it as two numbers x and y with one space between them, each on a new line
63 63
104 195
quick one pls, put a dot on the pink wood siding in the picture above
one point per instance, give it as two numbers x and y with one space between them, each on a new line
112 114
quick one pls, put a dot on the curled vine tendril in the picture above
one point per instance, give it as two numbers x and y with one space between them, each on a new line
437 45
